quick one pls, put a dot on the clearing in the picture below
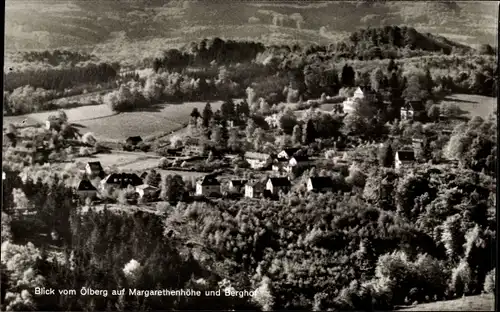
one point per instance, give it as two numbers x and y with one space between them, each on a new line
475 105
472 303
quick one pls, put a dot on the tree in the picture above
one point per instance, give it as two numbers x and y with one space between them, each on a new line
386 156
348 76
434 112
297 134
227 109
195 114
376 79
250 129
287 123
207 115
392 66
61 115
244 109
309 133
153 178
172 188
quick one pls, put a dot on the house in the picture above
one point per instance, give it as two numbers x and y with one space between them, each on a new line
404 158
147 190
274 185
121 180
412 110
53 124
208 186
254 189
258 160
236 185
319 184
288 153
133 140
279 164
94 169
297 162
85 189
361 93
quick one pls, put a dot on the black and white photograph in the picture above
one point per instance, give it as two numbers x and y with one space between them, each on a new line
170 155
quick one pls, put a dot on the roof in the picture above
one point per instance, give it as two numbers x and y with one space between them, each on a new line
146 186
134 139
260 156
280 181
123 179
144 175
415 105
208 180
300 158
85 185
238 182
406 155
291 151
255 184
95 165
321 182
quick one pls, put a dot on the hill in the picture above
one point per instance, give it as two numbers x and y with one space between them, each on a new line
472 303
123 29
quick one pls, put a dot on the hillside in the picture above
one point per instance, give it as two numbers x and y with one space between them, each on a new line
472 303
121 29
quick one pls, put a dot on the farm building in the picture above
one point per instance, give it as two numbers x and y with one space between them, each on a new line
258 160
319 184
208 186
236 185
147 190
288 153
134 140
274 185
121 180
404 158
94 169
254 189
85 189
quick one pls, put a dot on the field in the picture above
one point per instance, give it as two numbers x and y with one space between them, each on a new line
106 125
475 105
472 303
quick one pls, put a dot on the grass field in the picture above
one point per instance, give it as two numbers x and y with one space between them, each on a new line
472 303
106 125
476 105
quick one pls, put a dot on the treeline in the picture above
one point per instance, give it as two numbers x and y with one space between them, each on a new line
207 51
54 58
60 79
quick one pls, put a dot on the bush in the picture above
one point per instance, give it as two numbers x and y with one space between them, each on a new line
489 283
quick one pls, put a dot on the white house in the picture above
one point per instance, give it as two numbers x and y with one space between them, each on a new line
258 160
319 184
404 158
254 189
361 93
208 186
274 185
297 162
146 190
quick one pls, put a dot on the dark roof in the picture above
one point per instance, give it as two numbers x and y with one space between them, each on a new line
406 155
301 158
85 185
95 165
144 175
255 183
291 151
415 105
134 139
280 181
209 180
123 179
238 182
321 182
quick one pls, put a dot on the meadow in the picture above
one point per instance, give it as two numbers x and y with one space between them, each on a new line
471 303
109 126
475 105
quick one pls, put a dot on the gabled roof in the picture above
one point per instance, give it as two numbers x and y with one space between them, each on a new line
255 184
280 181
301 158
135 139
260 156
290 151
208 180
95 165
238 183
123 179
85 185
406 155
321 182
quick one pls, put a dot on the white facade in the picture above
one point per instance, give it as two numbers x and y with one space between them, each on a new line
251 191
145 190
406 114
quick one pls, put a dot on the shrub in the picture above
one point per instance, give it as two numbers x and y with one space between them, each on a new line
489 283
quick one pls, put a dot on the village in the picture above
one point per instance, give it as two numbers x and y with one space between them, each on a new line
248 173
